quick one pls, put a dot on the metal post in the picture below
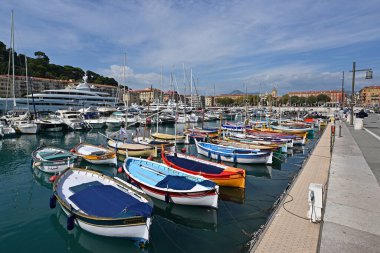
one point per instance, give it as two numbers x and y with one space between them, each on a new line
352 94
342 104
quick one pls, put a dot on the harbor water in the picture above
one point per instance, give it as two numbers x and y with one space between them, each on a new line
28 224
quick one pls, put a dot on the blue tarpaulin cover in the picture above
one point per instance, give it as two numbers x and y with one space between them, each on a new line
194 165
108 201
176 183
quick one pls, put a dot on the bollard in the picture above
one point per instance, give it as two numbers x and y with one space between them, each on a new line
340 130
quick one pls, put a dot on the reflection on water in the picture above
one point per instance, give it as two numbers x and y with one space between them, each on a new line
80 240
189 216
42 178
233 194
174 228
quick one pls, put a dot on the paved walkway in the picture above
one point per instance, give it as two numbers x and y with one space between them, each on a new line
352 213
369 142
287 232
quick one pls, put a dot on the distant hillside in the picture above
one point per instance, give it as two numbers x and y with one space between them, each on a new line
239 92
40 66
236 92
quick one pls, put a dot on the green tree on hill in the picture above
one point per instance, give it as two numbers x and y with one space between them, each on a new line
40 66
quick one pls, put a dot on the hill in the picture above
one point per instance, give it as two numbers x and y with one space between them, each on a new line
40 66
236 92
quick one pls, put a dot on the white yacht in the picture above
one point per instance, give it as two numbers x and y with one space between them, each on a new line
83 95
72 119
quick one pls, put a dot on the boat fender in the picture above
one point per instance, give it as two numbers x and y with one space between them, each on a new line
53 202
235 157
219 158
52 178
72 150
175 154
183 150
167 198
209 154
32 162
119 170
70 222
150 158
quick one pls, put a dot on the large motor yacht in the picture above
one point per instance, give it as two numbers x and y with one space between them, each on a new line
83 95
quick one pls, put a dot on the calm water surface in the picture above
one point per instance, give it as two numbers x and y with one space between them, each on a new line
28 224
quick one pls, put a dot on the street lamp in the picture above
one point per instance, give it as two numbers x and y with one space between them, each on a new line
368 75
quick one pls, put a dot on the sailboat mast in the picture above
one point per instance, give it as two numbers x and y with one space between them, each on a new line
13 61
26 82
128 97
191 88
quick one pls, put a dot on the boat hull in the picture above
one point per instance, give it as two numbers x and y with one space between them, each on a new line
248 159
201 197
230 177
138 232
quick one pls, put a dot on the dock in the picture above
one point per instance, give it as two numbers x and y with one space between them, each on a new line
351 213
289 230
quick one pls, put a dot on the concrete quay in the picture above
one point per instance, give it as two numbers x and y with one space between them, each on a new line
352 212
289 230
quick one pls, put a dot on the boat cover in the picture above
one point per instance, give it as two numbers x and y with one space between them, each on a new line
108 201
54 155
181 183
194 165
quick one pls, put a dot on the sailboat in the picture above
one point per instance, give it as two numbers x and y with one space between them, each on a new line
24 126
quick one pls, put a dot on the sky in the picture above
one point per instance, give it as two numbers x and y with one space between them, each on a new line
296 45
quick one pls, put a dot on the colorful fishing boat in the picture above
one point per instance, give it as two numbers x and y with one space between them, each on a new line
103 205
234 127
267 133
203 132
247 144
95 154
233 155
125 149
221 174
53 160
171 185
152 142
169 137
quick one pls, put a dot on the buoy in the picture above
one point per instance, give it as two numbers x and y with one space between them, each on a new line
150 158
70 222
52 178
183 150
167 198
53 202
120 170
72 150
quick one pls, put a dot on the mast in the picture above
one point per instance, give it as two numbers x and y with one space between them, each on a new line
128 97
26 81
13 61
191 88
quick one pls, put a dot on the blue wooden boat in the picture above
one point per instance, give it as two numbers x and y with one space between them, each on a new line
103 205
170 185
234 155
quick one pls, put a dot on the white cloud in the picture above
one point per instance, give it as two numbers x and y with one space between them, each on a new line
231 42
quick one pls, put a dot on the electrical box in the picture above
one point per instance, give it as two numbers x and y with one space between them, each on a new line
315 199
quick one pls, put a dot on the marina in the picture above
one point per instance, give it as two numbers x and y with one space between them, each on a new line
240 211
189 126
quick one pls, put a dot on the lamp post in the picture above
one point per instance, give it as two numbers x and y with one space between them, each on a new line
342 102
367 76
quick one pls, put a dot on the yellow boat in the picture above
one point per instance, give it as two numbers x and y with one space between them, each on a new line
169 137
300 133
238 144
95 154
132 149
